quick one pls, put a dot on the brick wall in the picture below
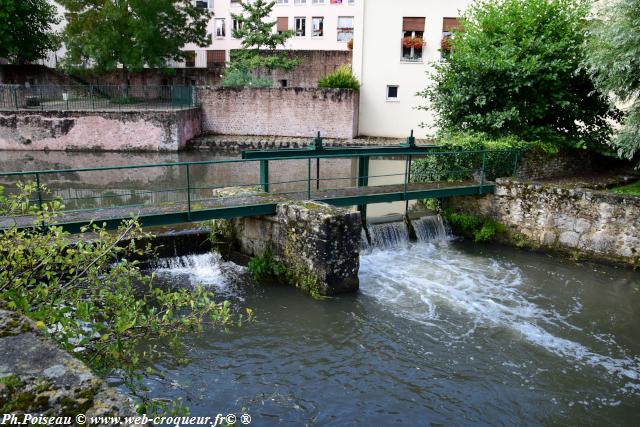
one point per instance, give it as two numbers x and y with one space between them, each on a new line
280 112
98 130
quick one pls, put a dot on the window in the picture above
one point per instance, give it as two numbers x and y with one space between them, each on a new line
412 39
237 26
318 1
448 26
299 1
352 1
283 1
318 26
220 28
190 58
283 24
215 57
204 4
345 28
392 93
284 83
301 26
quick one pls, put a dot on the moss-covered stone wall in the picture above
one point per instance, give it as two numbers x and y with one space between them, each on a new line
580 222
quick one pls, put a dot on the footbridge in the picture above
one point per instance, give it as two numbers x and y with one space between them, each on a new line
253 185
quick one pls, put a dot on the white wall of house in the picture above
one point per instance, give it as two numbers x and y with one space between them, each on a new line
378 63
331 12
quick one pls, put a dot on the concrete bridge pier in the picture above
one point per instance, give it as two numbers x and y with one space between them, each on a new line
319 244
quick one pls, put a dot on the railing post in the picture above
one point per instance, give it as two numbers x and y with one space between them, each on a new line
484 163
363 181
14 96
93 100
39 192
515 162
188 193
317 173
264 175
309 178
407 178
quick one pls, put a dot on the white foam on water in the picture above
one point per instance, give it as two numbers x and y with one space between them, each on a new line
456 293
204 269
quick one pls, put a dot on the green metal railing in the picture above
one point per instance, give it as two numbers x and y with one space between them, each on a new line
95 97
177 192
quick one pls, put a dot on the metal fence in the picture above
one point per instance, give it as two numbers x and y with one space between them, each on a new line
95 97
195 191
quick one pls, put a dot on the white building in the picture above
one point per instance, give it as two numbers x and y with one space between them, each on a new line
395 45
318 25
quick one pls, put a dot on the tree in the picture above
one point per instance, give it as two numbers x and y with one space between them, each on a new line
613 61
25 29
105 34
515 69
256 32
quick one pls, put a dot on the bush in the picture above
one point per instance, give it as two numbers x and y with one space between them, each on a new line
516 69
481 229
239 77
500 160
85 293
340 78
266 267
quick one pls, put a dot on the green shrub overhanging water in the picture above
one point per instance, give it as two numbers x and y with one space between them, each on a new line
341 78
85 293
462 159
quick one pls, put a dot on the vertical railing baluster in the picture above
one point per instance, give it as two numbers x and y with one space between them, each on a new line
264 175
363 181
188 193
484 162
40 204
318 173
309 178
407 177
515 163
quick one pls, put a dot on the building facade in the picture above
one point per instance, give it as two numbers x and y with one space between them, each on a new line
318 25
396 44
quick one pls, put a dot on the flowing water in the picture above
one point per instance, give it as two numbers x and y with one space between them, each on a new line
441 332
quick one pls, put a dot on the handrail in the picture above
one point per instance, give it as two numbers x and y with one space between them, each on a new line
302 156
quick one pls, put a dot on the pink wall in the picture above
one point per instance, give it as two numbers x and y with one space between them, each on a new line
98 131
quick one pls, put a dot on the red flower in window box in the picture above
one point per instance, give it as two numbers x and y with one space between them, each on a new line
412 42
418 42
445 44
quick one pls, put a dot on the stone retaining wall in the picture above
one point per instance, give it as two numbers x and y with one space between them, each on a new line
282 112
582 222
98 130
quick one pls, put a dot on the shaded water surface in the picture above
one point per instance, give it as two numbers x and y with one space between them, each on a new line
441 332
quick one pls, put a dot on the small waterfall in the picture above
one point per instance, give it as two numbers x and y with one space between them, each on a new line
388 235
204 269
430 228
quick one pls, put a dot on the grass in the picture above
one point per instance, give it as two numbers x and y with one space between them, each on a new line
630 189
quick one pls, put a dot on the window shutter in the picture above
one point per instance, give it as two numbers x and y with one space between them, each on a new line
215 56
450 23
413 24
283 24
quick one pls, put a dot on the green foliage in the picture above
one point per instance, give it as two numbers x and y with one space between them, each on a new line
266 267
631 189
516 70
25 29
238 76
85 293
103 34
481 229
613 50
461 160
259 43
342 77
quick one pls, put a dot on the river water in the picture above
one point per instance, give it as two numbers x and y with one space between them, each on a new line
442 332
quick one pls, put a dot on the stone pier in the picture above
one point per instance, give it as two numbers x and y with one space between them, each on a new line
318 244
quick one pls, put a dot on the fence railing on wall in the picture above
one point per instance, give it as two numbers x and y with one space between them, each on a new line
95 97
